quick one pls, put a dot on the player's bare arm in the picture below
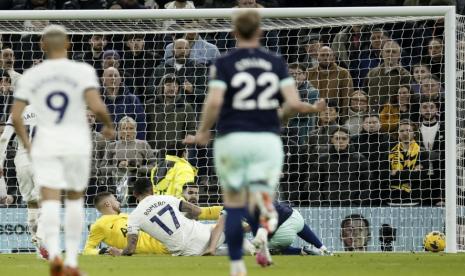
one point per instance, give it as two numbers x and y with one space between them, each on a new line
131 247
215 237
96 105
210 113
293 105
191 210
16 114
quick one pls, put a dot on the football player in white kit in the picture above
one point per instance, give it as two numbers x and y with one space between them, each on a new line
27 188
162 218
59 90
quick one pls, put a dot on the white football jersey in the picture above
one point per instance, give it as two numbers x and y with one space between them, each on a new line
160 217
55 89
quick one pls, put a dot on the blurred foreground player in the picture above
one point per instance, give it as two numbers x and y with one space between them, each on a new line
59 90
244 98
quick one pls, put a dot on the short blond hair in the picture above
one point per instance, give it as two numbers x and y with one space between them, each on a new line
246 23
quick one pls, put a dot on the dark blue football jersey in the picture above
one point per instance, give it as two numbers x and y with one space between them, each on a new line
253 79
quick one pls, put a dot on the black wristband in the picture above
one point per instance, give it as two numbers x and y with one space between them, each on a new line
103 251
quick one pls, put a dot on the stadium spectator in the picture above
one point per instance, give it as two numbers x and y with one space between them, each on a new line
191 76
358 108
404 105
318 139
369 58
435 57
138 64
125 4
82 4
111 58
405 168
432 146
93 56
301 125
420 71
120 102
332 81
8 64
180 4
384 80
431 88
98 152
201 51
169 118
173 172
342 176
311 44
347 45
6 95
248 4
355 233
374 145
34 5
126 158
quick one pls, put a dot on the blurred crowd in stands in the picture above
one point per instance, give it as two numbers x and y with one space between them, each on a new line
380 141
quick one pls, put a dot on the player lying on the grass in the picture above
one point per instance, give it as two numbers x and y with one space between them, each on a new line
290 225
162 218
111 229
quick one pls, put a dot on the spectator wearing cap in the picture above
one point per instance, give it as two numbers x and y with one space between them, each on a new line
342 176
201 51
301 125
138 64
120 101
358 108
191 76
384 81
111 58
169 117
94 54
311 44
332 81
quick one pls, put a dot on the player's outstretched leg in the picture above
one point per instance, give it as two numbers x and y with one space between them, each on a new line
234 239
74 222
309 236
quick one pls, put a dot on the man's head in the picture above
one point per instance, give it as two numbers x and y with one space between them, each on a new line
329 115
355 232
8 58
135 43
181 50
359 101
142 188
420 72
110 58
313 44
111 80
127 127
435 49
98 42
298 72
246 25
429 110
340 139
91 119
55 41
404 94
406 131
170 85
371 123
190 192
106 203
325 57
430 88
377 38
247 4
391 53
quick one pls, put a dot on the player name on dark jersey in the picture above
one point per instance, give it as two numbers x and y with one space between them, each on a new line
252 78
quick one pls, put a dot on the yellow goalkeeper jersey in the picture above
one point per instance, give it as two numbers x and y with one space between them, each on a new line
112 230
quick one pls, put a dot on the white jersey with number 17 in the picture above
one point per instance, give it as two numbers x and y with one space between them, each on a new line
160 217
55 89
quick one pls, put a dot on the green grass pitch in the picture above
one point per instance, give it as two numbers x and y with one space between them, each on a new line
372 264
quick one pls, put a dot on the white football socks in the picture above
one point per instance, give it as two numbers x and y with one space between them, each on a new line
32 222
238 267
50 218
74 222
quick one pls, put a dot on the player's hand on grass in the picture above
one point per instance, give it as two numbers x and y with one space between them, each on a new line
108 133
114 251
200 138
320 105
209 252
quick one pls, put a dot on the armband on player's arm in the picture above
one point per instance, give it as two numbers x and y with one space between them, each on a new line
210 213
